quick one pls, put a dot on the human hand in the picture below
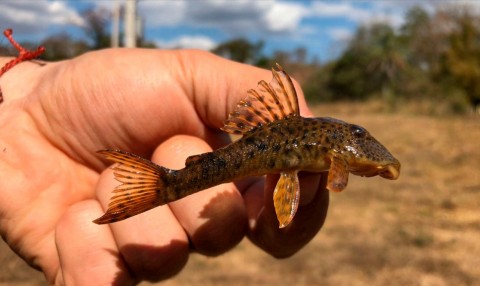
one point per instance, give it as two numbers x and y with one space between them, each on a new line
164 105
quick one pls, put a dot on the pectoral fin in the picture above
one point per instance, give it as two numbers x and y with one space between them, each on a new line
286 197
338 174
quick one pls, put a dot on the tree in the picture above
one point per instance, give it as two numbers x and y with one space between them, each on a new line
371 64
97 27
62 46
240 50
462 59
386 58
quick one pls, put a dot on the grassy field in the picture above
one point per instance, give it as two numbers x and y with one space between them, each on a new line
423 229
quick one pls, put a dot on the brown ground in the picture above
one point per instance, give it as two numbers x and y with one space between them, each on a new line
423 229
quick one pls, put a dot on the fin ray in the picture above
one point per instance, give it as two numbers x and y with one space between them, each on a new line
269 102
141 182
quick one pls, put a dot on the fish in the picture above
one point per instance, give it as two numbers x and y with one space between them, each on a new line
276 139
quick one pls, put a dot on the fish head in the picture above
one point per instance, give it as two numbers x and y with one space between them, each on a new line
366 156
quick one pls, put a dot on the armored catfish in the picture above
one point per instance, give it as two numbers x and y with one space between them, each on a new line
276 140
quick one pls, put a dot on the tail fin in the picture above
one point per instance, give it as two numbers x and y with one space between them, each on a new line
141 184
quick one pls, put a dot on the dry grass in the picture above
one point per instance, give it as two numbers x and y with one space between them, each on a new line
423 229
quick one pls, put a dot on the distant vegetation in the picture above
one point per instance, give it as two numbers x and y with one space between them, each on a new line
432 58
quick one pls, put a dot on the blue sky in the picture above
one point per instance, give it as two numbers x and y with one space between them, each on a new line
322 27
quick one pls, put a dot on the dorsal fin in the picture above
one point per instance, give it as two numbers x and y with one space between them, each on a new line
269 102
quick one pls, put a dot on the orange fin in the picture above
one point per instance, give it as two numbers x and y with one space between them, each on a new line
268 103
141 183
286 197
337 174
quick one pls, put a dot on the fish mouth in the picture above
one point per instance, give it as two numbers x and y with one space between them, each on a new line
391 171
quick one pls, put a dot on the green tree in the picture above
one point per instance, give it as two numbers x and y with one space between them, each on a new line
462 59
62 46
371 64
240 50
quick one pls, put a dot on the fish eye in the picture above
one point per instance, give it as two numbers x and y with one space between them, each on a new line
357 131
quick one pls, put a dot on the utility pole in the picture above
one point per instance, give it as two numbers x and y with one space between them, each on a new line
130 23
115 36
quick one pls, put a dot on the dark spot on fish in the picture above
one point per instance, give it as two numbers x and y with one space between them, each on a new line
250 140
261 146
291 130
308 147
220 162
249 118
240 125
271 163
276 147
251 154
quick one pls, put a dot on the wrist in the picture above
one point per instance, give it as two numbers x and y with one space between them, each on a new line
20 80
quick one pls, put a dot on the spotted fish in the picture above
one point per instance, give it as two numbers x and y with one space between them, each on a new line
275 140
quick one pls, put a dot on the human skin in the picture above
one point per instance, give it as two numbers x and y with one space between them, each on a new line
163 105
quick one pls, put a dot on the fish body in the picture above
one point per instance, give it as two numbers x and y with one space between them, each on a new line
276 140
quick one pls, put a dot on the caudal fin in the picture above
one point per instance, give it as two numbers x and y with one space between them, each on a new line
141 185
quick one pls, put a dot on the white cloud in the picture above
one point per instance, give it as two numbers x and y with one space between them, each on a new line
340 10
237 17
35 16
188 42
392 12
284 17
340 34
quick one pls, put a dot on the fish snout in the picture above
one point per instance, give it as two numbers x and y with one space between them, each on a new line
390 171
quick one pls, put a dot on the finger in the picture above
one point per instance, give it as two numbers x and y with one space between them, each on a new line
214 219
88 253
191 90
284 242
224 82
153 244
